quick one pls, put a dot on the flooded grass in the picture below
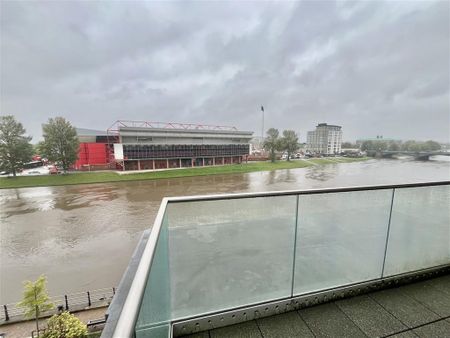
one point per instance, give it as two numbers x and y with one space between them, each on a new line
106 176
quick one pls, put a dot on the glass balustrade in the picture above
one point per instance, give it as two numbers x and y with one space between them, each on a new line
419 234
218 254
341 238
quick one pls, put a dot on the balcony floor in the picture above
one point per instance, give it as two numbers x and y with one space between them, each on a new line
416 310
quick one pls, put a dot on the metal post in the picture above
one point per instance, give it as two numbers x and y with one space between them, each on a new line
67 303
114 290
5 308
388 232
89 298
262 128
295 246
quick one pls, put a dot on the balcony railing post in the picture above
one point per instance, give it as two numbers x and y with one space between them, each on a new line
295 246
387 234
5 309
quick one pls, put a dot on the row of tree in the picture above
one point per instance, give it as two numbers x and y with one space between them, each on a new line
60 144
288 142
383 145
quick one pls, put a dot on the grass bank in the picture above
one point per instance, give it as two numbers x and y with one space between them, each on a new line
102 177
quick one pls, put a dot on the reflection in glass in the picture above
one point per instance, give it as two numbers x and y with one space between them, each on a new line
420 229
341 238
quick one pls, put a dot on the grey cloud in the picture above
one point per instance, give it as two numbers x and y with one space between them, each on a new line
370 66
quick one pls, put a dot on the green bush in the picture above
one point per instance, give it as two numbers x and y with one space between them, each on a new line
65 325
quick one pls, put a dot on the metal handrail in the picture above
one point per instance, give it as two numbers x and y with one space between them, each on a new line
302 192
125 326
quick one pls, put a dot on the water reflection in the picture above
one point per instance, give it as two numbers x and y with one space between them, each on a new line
322 173
82 196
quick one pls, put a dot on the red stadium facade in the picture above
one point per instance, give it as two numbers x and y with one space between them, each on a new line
92 156
94 151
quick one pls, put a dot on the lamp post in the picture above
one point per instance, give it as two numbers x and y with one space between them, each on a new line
262 127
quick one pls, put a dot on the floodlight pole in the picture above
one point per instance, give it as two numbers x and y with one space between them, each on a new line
262 127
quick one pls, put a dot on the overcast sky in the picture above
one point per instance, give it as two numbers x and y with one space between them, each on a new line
376 68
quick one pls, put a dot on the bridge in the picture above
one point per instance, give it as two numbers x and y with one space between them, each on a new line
418 155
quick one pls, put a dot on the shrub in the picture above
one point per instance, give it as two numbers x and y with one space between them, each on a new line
65 325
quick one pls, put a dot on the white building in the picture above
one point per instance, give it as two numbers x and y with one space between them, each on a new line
326 139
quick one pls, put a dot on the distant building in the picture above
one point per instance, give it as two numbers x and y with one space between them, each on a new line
326 139
138 145
94 151
153 145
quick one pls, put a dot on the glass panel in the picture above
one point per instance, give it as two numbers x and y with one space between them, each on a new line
341 238
230 253
155 307
154 332
420 229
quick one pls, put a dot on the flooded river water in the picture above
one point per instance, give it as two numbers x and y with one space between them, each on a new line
81 237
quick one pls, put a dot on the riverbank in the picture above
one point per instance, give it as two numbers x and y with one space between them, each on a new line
103 177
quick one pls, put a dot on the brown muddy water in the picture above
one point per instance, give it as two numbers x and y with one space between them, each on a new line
81 237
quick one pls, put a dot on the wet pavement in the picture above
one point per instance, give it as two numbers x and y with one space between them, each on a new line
416 310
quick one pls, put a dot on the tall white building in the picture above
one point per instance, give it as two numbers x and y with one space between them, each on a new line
326 139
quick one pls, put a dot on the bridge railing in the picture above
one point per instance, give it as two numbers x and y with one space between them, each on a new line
211 255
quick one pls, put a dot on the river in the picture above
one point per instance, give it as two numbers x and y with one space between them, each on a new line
81 237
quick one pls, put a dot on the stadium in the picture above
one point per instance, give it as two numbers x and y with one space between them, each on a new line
143 145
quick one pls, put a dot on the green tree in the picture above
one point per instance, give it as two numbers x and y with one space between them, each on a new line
15 147
65 325
35 299
348 145
60 142
37 148
394 146
411 145
374 145
367 145
289 142
272 142
431 146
